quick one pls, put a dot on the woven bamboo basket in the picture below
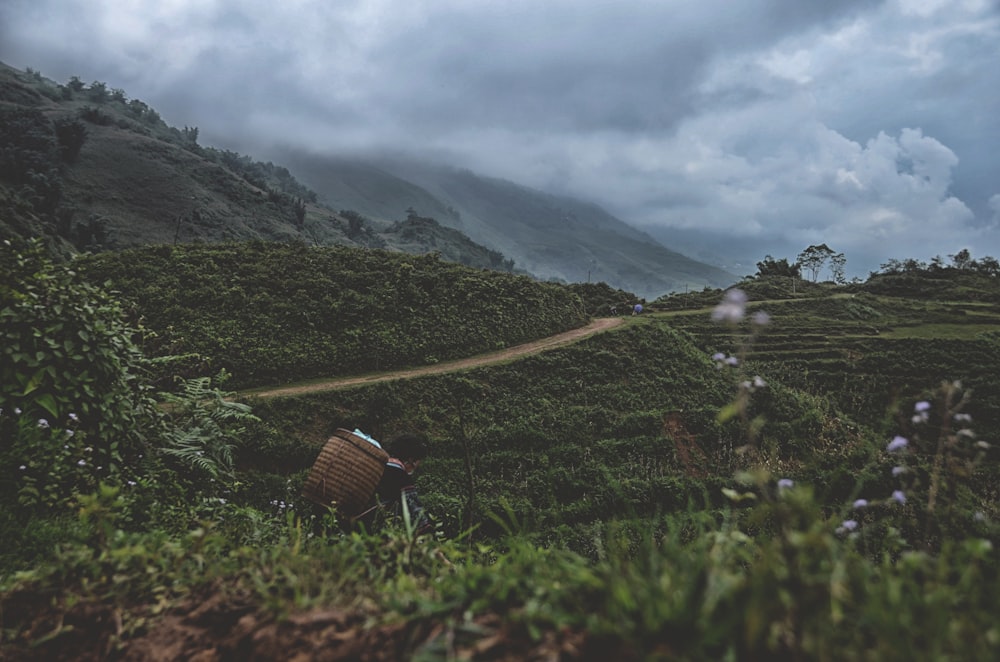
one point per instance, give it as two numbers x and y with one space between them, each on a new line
345 473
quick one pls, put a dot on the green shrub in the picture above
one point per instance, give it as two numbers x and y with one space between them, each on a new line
71 397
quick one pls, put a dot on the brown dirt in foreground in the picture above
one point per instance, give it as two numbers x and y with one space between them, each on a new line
596 326
216 627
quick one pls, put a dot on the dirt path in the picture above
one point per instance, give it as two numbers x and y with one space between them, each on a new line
598 325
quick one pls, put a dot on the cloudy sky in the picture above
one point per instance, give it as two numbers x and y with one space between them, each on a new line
873 126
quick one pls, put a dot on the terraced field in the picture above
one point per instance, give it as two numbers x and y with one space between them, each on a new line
867 354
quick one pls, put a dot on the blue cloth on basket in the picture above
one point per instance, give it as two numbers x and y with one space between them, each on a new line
366 437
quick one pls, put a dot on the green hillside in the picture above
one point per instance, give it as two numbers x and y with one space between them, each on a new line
268 313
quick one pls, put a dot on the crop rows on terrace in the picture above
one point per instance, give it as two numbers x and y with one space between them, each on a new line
865 354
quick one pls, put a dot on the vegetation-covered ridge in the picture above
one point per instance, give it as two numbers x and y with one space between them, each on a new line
89 169
268 312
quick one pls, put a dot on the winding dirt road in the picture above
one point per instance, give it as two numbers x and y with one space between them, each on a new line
596 326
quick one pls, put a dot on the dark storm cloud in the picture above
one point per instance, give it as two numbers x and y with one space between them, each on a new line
871 122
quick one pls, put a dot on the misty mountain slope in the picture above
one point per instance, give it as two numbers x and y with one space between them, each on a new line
348 184
550 236
134 181
598 246
154 192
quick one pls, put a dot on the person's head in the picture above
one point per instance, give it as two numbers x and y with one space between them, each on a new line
410 449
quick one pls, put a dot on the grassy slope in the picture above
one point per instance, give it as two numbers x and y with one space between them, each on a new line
270 313
621 427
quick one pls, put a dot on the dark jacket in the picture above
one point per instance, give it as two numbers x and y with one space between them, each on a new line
395 487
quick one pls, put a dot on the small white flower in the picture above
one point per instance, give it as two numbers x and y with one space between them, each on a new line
983 445
860 503
786 483
17 410
760 318
898 497
732 308
22 467
759 382
921 406
898 471
74 417
42 423
82 462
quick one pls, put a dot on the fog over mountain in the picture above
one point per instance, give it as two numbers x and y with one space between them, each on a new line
732 129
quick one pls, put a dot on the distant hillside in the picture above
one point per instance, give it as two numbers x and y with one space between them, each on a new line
553 237
90 169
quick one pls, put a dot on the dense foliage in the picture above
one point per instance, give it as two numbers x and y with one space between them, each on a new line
815 482
269 313
70 371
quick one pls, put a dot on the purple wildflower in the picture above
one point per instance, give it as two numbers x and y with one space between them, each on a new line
785 483
899 497
860 503
847 526
897 444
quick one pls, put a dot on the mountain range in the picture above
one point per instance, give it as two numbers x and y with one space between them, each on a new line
92 169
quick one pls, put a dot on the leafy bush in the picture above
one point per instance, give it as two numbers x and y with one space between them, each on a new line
71 397
71 135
